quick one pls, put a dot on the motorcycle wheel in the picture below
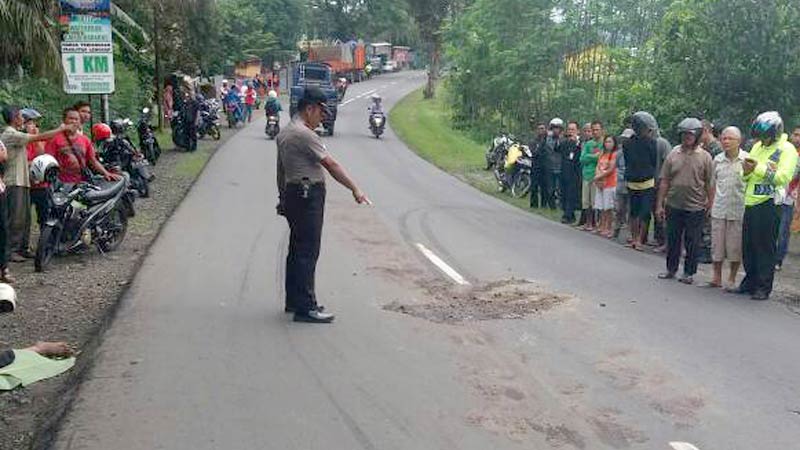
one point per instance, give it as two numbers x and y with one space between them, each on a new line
119 221
521 185
214 133
48 243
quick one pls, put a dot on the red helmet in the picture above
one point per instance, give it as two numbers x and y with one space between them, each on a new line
101 132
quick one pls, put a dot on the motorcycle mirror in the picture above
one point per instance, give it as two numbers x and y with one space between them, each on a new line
146 110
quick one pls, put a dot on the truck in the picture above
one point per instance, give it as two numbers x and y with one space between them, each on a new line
346 60
320 75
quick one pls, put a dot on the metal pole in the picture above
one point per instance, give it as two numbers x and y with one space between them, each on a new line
104 108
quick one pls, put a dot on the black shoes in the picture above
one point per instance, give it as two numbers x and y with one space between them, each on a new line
759 296
686 279
666 276
314 316
291 309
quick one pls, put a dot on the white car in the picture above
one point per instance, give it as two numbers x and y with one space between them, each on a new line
390 66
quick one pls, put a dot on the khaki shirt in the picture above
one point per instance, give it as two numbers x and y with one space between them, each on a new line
729 199
690 176
300 152
17 172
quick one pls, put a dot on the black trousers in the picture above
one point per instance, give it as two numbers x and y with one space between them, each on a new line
759 245
569 196
541 188
19 218
40 202
683 227
305 215
4 247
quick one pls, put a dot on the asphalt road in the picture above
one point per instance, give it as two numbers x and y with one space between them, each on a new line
201 355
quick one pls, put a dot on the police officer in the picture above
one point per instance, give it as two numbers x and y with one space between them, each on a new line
301 186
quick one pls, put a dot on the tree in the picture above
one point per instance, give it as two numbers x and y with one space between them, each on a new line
430 16
29 37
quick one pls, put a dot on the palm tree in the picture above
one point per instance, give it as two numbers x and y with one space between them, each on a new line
29 36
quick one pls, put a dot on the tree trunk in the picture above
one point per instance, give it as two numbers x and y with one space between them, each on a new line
433 72
158 76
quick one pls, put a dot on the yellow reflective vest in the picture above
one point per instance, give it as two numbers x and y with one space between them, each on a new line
776 167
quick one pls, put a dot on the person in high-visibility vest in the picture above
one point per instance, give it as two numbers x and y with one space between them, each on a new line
769 167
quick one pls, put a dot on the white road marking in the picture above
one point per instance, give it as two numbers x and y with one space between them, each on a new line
449 271
682 446
358 97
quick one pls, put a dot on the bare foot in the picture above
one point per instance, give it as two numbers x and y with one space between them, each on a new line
53 349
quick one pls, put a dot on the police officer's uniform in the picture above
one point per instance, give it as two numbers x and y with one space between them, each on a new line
301 184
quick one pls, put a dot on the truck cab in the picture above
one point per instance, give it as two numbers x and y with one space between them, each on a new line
319 75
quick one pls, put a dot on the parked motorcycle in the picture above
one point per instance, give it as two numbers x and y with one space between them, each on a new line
82 215
147 139
515 169
119 155
235 113
273 127
496 153
209 120
377 122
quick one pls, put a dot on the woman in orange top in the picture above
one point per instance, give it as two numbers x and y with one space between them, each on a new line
606 180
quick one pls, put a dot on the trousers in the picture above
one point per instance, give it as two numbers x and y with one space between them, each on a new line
785 233
759 242
304 210
19 219
541 189
683 227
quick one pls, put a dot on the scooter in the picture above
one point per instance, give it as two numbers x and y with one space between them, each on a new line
377 122
273 127
209 120
119 155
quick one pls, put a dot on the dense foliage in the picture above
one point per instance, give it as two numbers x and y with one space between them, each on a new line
724 60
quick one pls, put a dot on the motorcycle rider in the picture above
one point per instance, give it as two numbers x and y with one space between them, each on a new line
375 108
273 106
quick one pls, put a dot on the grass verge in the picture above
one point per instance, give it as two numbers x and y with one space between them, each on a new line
425 126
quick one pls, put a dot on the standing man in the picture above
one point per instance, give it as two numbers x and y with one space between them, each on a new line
586 133
770 165
301 186
728 208
787 207
687 188
17 179
589 156
556 130
709 140
640 170
570 150
540 167
84 108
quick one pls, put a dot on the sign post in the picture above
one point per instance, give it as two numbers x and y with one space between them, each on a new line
87 50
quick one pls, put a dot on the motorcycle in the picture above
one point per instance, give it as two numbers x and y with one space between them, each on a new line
496 153
83 215
521 180
147 139
515 170
273 127
119 155
341 89
377 122
209 120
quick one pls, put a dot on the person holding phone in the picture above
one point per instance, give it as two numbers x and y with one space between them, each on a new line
769 167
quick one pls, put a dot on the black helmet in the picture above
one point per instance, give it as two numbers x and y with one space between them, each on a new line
767 125
691 125
643 120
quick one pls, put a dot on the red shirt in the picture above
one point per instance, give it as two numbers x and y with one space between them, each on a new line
71 163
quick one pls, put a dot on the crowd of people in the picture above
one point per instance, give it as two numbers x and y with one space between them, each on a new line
21 141
714 197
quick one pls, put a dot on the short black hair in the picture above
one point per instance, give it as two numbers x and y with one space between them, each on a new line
68 110
77 106
9 113
577 125
597 122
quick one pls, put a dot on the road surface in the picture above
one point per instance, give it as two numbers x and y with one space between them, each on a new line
201 355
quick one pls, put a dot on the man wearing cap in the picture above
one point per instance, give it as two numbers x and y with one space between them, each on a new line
301 188
17 178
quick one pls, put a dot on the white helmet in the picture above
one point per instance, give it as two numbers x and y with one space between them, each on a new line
273 94
8 298
557 123
376 98
41 166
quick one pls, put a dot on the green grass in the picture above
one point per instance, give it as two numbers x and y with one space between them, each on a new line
192 163
425 126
